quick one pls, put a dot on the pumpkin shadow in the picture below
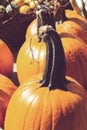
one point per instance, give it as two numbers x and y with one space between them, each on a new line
12 31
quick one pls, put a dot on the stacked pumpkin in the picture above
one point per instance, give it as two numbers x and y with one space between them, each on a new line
7 87
73 33
58 98
9 17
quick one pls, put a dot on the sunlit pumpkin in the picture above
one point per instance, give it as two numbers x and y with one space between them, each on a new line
7 88
6 59
31 58
75 24
73 43
51 101
31 29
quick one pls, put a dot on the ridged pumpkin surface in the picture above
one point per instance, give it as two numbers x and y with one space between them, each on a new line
37 108
7 88
31 58
50 101
75 24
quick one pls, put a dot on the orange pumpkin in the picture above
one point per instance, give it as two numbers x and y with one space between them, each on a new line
7 88
34 51
31 58
75 24
50 101
6 59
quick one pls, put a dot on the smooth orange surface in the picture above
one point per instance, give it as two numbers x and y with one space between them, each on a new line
6 59
31 29
37 108
30 59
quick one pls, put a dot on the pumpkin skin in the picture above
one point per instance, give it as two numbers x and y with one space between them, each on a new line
75 24
58 108
32 102
76 58
33 59
75 52
31 29
7 88
6 59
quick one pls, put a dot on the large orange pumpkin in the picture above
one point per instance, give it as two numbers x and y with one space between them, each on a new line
51 101
31 58
6 59
7 88
35 56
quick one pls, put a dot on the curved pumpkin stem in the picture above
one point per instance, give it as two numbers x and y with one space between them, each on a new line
44 16
54 74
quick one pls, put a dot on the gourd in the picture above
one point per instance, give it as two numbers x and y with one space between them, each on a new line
31 58
6 59
50 101
7 88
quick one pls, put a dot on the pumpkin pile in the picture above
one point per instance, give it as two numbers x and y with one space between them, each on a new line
50 100
72 32
48 45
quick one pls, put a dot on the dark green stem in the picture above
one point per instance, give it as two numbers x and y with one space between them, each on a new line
44 16
54 74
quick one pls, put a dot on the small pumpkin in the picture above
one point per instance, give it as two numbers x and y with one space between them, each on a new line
24 9
50 101
7 88
6 59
